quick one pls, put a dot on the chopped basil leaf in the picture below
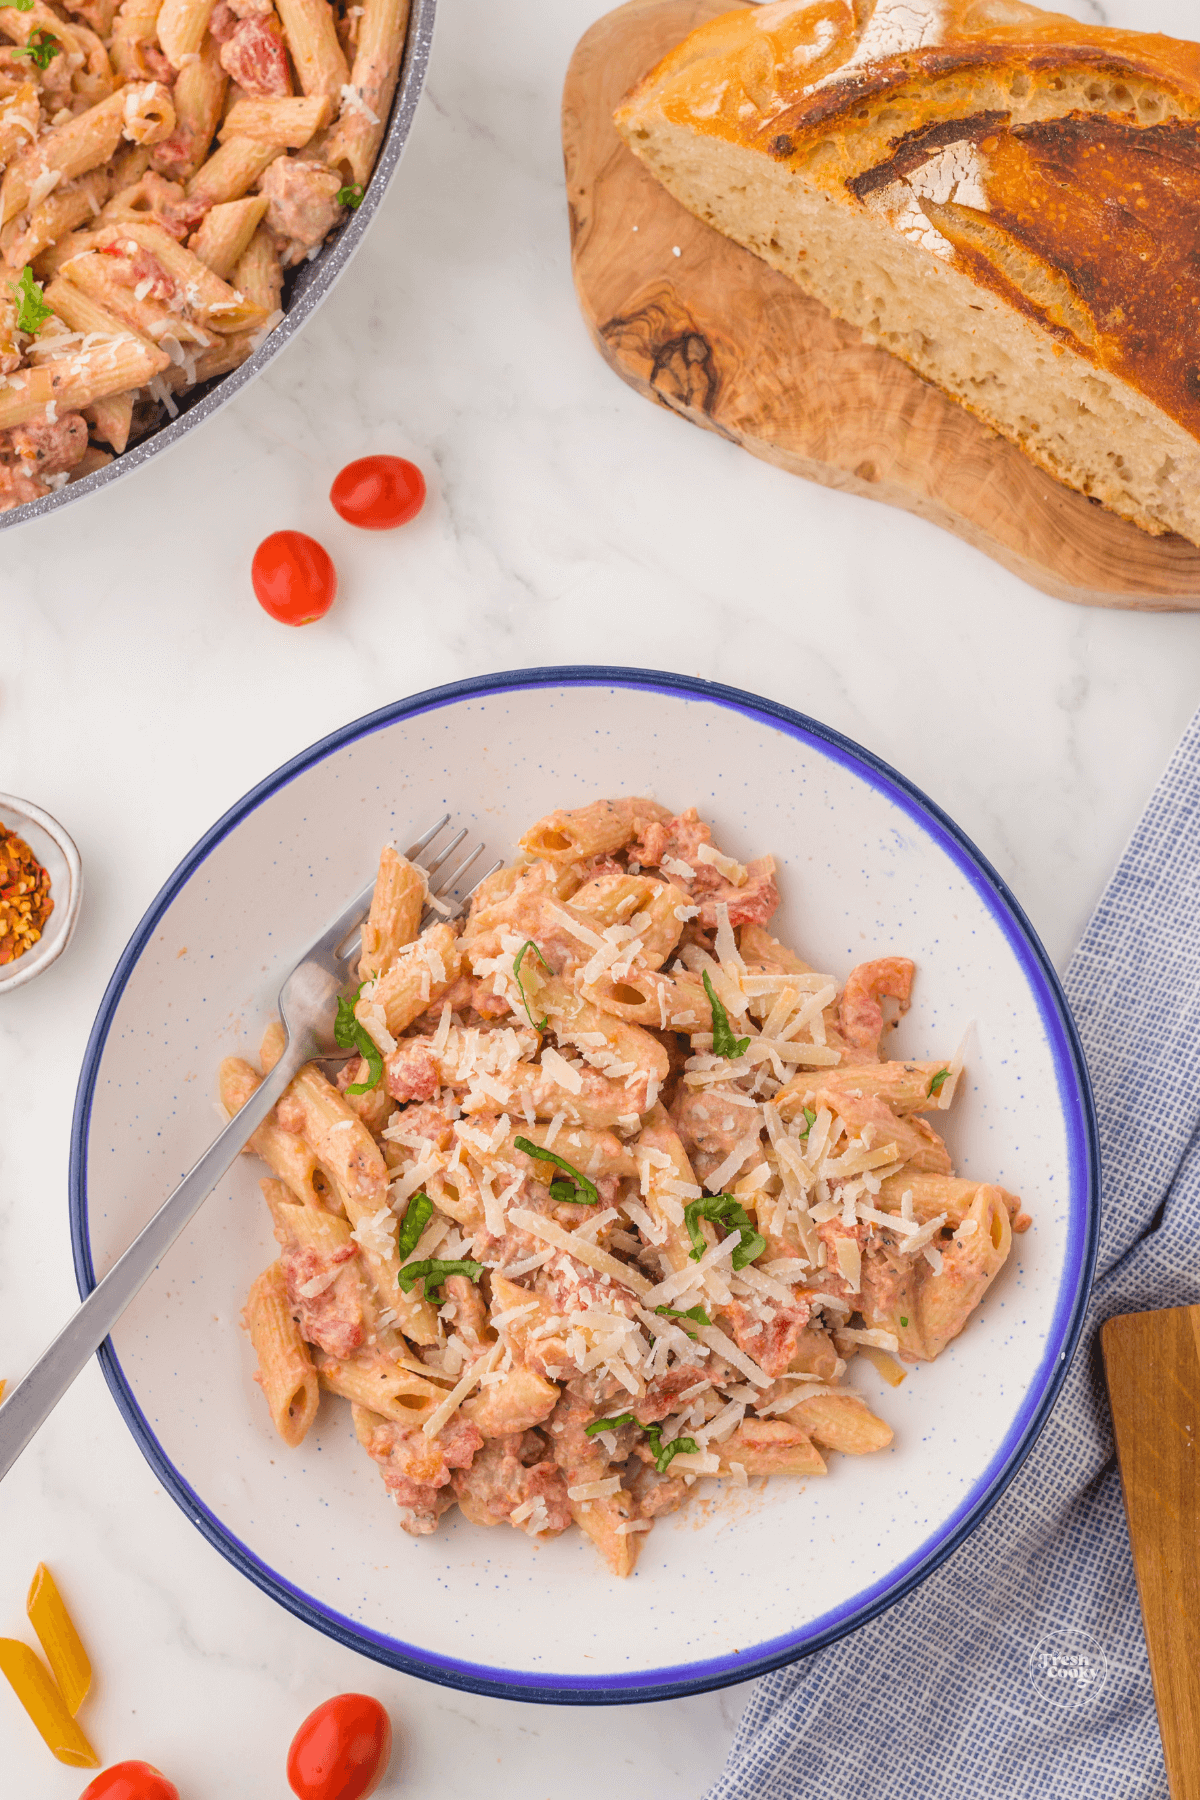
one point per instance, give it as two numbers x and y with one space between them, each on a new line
530 945
19 5
696 1313
688 1445
435 1271
32 311
935 1086
662 1453
598 1425
40 48
903 1320
723 1209
810 1119
420 1211
580 1191
350 1035
351 196
724 1042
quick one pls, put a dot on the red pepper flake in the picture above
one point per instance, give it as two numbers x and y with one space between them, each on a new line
25 902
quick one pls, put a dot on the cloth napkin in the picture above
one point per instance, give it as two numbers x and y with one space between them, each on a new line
934 1699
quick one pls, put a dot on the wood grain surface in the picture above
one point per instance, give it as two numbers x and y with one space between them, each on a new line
1152 1361
734 346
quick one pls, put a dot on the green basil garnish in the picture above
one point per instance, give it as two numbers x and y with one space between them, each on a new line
695 1313
724 1042
32 311
935 1086
420 1211
579 1191
348 1034
723 1209
435 1272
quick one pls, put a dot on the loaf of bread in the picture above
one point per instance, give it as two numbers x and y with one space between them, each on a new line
1003 197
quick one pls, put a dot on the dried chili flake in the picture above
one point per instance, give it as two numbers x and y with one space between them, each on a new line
25 901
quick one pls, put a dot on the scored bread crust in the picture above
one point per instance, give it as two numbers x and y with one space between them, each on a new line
1006 199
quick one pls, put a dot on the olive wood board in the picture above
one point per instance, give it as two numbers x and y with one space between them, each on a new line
690 319
1152 1364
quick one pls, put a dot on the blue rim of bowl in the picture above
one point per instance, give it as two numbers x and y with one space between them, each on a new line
1063 1337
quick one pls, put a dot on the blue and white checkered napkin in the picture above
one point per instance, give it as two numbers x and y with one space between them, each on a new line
935 1700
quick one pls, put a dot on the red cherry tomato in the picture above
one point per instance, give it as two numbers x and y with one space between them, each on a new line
294 577
130 1781
378 492
341 1752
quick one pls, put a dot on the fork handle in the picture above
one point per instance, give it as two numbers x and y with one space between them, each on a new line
34 1398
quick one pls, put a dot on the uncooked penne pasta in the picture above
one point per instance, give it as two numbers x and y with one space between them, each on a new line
60 1641
576 1236
285 1365
38 1693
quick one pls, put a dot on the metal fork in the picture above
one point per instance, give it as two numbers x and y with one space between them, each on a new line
307 1009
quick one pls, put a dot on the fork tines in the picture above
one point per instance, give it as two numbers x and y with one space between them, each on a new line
440 891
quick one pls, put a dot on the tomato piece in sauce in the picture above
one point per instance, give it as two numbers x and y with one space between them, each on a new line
294 577
130 1781
378 493
342 1750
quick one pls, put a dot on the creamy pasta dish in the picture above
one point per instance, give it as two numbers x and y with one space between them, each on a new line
165 162
613 1191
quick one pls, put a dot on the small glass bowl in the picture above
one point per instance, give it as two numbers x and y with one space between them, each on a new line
58 856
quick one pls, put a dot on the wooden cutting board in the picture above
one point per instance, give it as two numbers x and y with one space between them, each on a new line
1152 1362
702 326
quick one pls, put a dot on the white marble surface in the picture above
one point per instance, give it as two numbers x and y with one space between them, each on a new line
142 691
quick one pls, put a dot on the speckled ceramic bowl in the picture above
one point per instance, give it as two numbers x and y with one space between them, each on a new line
305 288
733 1585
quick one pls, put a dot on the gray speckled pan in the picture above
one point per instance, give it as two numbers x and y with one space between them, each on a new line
307 288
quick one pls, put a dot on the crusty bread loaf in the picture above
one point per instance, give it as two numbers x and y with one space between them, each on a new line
1006 199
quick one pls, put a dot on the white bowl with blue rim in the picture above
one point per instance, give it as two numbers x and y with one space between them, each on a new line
739 1581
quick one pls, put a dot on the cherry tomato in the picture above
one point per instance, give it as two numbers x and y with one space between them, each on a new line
341 1752
130 1781
294 577
378 492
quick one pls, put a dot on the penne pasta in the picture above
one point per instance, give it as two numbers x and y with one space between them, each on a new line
287 122
313 41
354 142
225 235
59 1639
38 1693
78 378
285 1366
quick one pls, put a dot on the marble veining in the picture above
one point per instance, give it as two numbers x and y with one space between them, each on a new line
142 691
